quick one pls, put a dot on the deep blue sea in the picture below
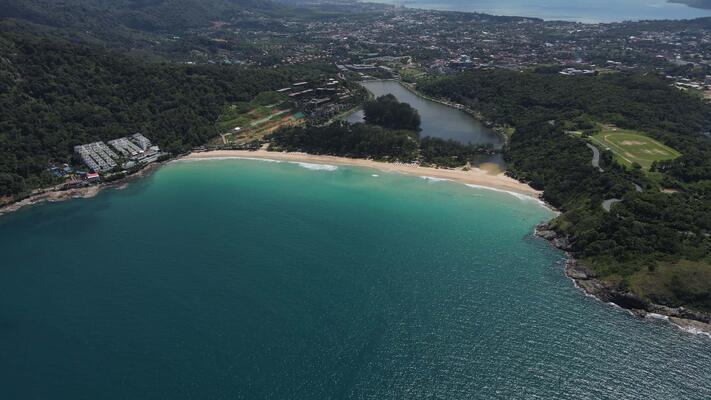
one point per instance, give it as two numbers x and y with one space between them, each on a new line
240 279
568 10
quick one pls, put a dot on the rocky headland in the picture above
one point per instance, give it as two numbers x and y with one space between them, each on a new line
589 282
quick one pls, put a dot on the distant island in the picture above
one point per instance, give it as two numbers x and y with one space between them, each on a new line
702 4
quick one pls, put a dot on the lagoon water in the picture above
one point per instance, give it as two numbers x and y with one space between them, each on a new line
439 120
240 279
591 11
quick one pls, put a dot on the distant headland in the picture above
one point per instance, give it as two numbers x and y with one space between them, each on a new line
702 4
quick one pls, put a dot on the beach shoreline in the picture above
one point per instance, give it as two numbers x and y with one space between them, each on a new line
474 177
583 279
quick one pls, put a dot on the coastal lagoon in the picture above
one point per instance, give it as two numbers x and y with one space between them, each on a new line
254 279
438 120
591 11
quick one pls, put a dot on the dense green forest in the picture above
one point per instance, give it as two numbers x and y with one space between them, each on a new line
150 30
114 16
164 30
376 142
349 140
654 243
391 133
55 95
388 112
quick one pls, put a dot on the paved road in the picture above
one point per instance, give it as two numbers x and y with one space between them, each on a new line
607 204
596 156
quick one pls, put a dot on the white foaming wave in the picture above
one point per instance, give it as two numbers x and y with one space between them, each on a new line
225 158
693 331
259 159
519 196
657 316
316 167
433 179
375 175
575 284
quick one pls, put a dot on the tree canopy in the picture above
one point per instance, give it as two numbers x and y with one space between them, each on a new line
388 112
55 95
649 233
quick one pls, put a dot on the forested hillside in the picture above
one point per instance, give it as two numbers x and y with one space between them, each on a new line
390 133
654 243
55 95
155 30
141 15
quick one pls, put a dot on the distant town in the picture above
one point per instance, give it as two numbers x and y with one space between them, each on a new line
389 40
386 42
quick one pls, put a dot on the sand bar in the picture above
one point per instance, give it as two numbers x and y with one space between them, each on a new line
474 176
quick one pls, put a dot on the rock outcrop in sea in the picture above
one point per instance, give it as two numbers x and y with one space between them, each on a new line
588 281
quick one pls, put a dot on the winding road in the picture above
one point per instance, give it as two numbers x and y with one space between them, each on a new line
607 204
596 157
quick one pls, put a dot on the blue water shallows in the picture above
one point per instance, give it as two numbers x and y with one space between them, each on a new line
238 279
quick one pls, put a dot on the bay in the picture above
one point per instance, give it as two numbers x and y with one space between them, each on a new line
242 279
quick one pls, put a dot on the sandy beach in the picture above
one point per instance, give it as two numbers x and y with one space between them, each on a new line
474 176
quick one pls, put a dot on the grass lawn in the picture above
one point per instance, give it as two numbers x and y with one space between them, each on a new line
678 283
633 147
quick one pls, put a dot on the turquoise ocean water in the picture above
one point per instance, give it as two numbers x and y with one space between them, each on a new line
238 279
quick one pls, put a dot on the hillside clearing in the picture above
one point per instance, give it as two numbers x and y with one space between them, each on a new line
631 147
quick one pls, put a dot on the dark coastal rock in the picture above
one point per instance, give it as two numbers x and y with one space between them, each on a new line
546 231
692 326
577 274
548 235
628 300
558 240
588 282
680 312
562 243
638 313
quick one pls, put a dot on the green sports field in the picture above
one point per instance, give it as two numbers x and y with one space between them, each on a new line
633 147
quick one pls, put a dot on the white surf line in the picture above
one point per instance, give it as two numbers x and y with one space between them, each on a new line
692 330
307 165
519 196
315 166
330 167
225 158
434 179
